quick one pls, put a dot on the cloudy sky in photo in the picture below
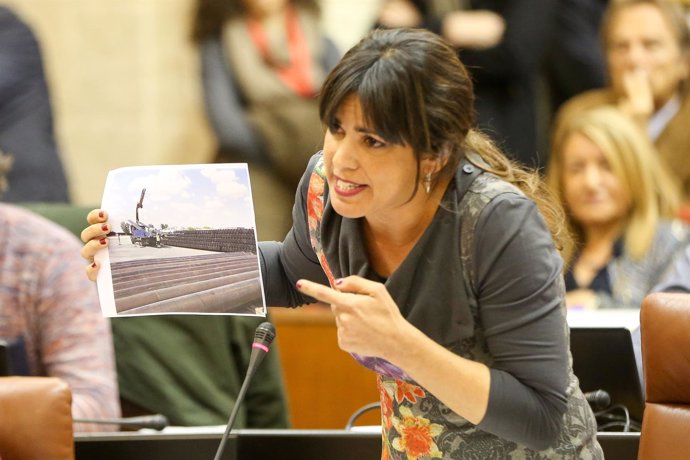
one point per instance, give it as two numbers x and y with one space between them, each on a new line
211 196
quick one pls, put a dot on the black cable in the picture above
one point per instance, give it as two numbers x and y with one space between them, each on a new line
613 419
359 412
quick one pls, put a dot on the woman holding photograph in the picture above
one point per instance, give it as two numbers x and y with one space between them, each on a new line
416 230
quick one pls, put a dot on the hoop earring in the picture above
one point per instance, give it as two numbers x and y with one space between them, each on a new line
427 183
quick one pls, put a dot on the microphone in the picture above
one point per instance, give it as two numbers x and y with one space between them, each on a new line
263 336
598 399
155 421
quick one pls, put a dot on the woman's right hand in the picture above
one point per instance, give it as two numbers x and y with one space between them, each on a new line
94 237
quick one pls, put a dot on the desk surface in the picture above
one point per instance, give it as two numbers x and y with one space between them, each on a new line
264 444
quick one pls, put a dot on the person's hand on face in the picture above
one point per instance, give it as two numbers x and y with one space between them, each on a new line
367 318
638 101
94 238
644 58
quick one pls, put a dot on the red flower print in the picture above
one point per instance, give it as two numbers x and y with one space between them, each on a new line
407 391
386 404
416 436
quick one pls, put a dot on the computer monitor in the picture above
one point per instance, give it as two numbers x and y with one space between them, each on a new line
5 364
13 357
604 359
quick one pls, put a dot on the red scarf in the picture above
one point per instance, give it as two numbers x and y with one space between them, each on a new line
296 74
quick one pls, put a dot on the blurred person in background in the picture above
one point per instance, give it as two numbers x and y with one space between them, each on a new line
502 43
50 315
262 65
620 202
647 47
575 59
190 369
26 118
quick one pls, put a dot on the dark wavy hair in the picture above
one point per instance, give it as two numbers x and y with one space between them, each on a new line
414 90
211 15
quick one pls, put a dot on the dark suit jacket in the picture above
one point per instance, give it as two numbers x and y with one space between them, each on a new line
26 120
505 76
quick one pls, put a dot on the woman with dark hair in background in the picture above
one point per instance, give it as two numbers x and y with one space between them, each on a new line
434 253
262 65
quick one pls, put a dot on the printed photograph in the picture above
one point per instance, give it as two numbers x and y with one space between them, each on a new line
182 241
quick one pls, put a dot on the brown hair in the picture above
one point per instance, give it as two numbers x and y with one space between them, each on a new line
414 90
211 15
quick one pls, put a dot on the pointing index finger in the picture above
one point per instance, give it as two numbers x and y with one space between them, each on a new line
318 291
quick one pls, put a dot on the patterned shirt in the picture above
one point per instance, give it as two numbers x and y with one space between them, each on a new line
47 302
624 281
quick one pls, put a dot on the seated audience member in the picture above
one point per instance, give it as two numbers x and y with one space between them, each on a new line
618 200
26 119
51 314
191 368
647 47
262 64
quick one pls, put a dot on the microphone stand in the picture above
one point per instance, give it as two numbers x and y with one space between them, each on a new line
263 337
233 416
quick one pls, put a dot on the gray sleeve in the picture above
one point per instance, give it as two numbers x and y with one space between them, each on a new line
224 106
520 293
678 277
605 301
282 264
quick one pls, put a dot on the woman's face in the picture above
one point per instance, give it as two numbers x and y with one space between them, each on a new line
640 39
367 176
593 194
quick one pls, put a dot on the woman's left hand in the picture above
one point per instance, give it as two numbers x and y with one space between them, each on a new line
367 318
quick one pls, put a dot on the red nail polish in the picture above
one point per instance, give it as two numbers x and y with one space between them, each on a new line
102 240
100 214
93 265
104 227
298 284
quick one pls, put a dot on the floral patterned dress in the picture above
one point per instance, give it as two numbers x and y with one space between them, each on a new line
415 424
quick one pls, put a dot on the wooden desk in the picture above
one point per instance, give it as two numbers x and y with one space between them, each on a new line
325 385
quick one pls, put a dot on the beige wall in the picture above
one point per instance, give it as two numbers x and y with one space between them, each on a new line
125 81
124 85
347 20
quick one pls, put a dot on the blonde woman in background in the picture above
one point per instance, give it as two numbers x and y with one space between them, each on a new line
619 201
647 48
